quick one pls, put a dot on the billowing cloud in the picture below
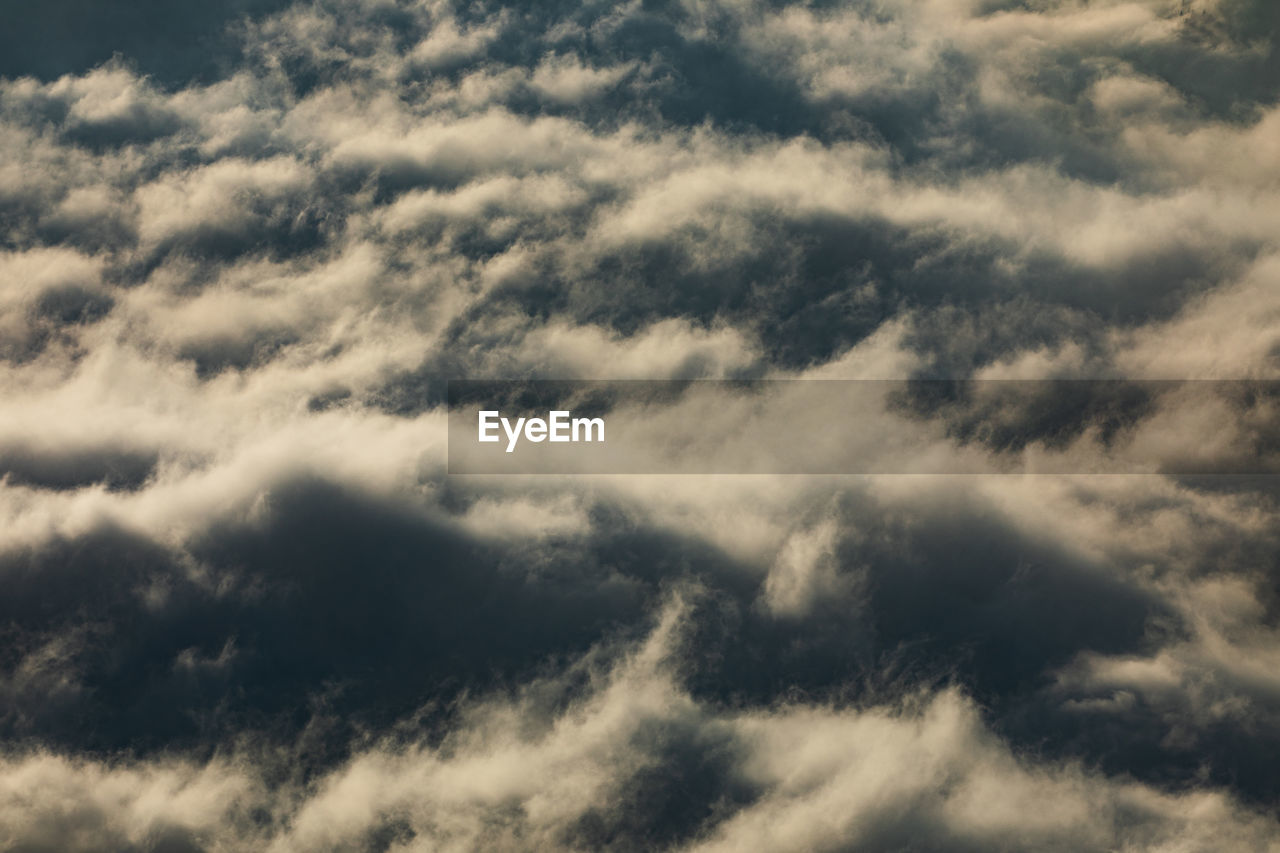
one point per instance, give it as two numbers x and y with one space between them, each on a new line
246 606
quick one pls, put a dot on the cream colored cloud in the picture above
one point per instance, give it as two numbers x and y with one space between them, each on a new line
284 261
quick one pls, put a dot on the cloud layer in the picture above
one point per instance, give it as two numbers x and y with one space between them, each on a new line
247 609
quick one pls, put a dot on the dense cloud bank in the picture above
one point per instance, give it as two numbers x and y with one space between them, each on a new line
245 608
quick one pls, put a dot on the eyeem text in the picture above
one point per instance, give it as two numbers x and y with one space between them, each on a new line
557 427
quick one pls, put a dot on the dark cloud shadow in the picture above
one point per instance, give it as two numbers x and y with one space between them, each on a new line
119 469
174 42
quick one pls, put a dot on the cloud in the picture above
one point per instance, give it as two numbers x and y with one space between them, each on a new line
602 766
247 608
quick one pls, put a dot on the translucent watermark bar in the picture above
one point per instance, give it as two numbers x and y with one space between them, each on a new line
923 426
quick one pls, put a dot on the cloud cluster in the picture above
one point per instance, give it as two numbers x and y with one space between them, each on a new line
246 608
632 761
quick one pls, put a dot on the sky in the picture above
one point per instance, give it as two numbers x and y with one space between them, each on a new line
245 606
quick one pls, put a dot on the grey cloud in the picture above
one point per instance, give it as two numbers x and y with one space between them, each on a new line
175 42
246 608
599 769
68 469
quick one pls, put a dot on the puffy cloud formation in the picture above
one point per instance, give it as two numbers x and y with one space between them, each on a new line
246 608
